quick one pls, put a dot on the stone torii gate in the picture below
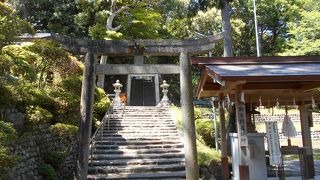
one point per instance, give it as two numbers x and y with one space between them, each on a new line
182 48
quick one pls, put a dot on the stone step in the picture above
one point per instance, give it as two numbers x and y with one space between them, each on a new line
172 138
135 124
146 132
135 169
144 127
138 121
177 175
151 120
141 135
137 151
136 156
126 162
140 118
138 142
103 146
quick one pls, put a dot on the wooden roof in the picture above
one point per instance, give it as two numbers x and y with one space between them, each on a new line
266 77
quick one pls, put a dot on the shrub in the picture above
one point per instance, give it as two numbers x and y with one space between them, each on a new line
48 172
37 114
55 159
71 84
197 113
102 102
205 128
64 131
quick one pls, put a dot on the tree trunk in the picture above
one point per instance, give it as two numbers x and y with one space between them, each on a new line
226 28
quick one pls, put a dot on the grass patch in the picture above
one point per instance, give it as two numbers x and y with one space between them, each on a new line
206 154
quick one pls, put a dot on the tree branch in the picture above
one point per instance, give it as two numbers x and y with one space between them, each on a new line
113 15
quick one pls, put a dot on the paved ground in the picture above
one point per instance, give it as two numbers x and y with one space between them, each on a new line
293 171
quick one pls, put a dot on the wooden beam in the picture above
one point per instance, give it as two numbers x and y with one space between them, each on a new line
122 69
165 47
309 85
229 86
270 85
203 80
212 86
215 77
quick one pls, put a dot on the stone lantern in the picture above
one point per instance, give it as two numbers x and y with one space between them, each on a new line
165 102
117 89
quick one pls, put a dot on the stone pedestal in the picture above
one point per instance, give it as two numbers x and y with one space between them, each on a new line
255 158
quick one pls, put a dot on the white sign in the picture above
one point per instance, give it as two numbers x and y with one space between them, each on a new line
273 143
242 125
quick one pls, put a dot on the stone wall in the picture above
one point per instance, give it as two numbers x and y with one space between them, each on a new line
32 146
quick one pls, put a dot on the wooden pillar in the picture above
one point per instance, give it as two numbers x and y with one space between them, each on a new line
86 111
192 167
242 133
305 118
223 141
101 77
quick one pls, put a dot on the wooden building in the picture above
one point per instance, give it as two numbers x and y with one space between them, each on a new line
267 80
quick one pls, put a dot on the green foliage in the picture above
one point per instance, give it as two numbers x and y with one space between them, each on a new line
206 154
64 131
98 31
197 113
55 159
7 136
11 25
102 103
6 98
305 35
7 133
36 114
15 62
48 16
47 171
92 19
205 129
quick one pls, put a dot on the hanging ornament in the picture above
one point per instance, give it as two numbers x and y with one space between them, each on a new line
228 101
294 103
223 104
277 104
260 102
314 106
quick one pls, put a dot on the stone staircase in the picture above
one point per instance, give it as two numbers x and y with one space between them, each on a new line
140 143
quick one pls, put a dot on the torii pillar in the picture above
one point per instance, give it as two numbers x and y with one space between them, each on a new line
189 135
86 112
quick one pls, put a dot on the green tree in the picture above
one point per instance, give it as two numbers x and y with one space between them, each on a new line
48 15
304 33
11 25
